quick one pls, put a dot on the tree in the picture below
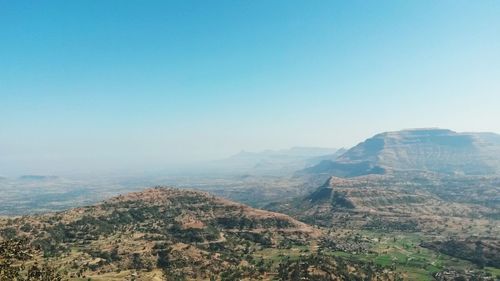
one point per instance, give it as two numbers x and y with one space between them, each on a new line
15 254
136 263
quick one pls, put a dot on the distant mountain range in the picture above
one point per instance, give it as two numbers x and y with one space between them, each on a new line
273 162
37 177
434 150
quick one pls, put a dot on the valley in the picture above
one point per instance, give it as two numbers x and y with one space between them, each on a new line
250 140
406 223
386 209
176 234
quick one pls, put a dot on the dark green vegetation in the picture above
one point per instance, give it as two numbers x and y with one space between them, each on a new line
17 263
405 253
480 252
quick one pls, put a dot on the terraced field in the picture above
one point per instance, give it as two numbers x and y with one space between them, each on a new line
420 225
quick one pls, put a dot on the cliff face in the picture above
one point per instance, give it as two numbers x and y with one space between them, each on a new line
435 150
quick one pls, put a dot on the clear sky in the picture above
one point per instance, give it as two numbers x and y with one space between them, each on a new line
94 85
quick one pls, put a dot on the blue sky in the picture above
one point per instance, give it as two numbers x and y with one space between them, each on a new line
94 85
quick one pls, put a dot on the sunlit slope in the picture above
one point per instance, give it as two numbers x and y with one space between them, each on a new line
436 150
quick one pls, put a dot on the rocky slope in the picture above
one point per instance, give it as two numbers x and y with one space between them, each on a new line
409 219
436 150
419 198
171 234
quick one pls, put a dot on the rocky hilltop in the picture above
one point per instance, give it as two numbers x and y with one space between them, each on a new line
435 150
171 234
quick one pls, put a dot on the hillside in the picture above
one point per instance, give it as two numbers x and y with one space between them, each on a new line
458 216
435 150
412 197
171 234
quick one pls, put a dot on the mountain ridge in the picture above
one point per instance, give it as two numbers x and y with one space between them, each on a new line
270 162
172 234
435 150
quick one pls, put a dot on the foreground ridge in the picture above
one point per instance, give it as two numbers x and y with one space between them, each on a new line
171 234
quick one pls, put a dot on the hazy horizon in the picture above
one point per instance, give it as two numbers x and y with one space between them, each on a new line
104 86
176 168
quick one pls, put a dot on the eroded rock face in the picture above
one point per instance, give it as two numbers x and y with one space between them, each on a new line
435 150
409 202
